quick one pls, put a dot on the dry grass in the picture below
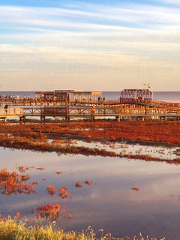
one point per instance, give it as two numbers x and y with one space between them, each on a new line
13 229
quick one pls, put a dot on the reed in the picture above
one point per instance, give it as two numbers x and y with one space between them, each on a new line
13 229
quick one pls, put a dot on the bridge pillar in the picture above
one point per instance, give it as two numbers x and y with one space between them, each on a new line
163 118
117 118
67 117
43 119
92 117
20 119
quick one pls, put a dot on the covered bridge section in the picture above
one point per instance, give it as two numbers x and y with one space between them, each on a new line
136 96
69 96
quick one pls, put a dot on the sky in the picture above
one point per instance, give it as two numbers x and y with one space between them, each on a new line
94 45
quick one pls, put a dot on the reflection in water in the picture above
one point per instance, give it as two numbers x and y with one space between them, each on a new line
12 183
156 151
109 202
52 212
51 190
49 211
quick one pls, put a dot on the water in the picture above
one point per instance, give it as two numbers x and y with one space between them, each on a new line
109 203
109 95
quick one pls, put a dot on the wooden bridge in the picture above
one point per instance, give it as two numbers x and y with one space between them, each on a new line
118 112
11 113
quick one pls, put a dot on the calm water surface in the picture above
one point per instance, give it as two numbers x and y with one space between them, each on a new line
108 203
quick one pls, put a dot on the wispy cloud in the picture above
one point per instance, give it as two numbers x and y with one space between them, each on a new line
90 38
100 27
170 2
96 17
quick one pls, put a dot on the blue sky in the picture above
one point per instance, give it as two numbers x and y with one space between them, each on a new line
89 45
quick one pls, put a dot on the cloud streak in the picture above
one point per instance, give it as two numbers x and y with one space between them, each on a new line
98 17
90 39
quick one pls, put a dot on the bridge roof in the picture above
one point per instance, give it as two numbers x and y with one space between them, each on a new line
137 89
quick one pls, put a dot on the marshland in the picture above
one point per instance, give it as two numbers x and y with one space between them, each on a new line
122 177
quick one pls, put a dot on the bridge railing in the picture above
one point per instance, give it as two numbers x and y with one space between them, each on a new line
11 112
31 111
104 110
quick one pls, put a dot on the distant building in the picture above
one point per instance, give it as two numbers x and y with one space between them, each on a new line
136 95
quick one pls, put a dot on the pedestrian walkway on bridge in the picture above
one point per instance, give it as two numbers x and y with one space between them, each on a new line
91 112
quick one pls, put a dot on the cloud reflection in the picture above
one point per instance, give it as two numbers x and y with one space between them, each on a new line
109 202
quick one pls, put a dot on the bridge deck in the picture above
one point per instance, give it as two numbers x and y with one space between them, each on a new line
103 111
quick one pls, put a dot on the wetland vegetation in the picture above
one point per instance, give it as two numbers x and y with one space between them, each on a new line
100 139
13 229
36 137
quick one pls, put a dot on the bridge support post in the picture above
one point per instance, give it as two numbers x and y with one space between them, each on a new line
117 118
163 118
43 119
67 117
92 117
20 119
